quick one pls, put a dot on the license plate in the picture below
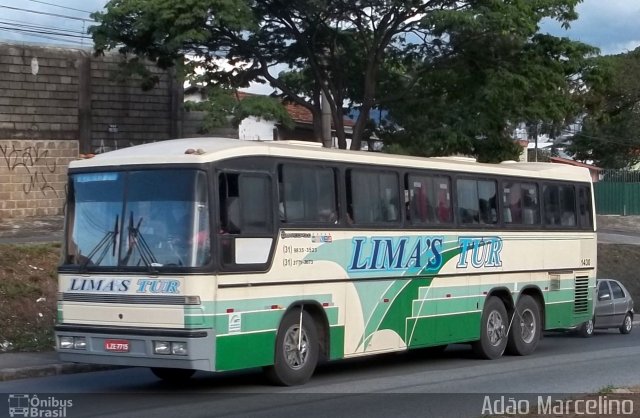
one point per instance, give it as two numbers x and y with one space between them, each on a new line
116 346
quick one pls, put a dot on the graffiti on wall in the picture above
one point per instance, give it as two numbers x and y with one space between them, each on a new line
33 162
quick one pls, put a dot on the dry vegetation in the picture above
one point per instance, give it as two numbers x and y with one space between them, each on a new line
28 290
619 261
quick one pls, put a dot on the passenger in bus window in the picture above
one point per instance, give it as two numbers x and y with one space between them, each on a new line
327 215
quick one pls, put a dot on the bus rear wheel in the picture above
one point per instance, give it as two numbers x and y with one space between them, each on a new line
297 350
493 330
525 327
172 375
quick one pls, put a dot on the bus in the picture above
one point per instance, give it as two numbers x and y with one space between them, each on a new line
218 254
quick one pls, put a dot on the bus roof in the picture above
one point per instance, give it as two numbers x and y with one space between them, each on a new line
205 150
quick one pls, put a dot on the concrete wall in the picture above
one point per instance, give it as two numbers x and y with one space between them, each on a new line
56 103
256 129
33 176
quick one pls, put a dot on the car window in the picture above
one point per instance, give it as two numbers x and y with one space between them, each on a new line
603 288
616 290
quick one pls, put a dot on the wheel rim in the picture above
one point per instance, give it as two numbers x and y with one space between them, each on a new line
495 328
527 326
590 326
294 338
627 323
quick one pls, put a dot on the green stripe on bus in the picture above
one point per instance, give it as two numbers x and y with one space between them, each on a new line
563 315
266 303
242 351
336 341
332 314
446 306
425 332
257 321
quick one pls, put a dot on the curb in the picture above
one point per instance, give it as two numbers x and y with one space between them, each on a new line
51 370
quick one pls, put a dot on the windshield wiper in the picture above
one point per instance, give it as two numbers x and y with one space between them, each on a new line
136 240
109 238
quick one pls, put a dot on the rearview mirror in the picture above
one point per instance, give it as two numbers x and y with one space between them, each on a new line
604 296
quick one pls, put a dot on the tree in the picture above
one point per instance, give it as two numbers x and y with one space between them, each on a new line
499 72
369 53
610 134
224 107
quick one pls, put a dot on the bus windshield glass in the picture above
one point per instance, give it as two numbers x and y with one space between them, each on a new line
147 219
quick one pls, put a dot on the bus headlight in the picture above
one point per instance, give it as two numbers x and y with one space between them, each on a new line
179 348
66 343
161 347
80 343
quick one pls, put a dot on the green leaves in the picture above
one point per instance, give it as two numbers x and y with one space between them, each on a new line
496 71
610 133
454 74
224 107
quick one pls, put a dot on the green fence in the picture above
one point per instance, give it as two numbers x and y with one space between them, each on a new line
618 193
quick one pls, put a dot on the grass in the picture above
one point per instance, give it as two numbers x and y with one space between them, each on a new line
28 290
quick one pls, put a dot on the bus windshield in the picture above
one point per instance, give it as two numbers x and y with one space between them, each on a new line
148 219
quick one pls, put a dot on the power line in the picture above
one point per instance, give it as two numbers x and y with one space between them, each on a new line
612 140
46 13
62 7
54 38
42 32
21 23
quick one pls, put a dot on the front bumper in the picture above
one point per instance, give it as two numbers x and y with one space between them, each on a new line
200 343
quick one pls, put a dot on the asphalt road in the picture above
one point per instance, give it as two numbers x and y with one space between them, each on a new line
411 384
611 236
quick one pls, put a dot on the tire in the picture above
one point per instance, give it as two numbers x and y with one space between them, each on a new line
493 328
525 327
627 325
291 365
586 329
172 375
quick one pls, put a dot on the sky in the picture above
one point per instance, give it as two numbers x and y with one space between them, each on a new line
611 25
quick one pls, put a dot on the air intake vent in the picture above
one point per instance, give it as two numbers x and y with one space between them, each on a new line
581 302
133 299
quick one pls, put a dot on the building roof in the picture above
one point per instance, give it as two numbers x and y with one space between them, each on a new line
301 114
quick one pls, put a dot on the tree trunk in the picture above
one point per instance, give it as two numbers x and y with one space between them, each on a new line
317 125
360 128
338 123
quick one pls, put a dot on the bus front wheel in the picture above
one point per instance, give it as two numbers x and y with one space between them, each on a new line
493 330
297 350
525 327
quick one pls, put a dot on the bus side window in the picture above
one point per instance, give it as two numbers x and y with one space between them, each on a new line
233 215
586 212
245 210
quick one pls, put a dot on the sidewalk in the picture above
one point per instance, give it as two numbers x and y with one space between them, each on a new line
31 229
28 365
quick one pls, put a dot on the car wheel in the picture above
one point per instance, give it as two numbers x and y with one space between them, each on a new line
493 330
627 325
586 329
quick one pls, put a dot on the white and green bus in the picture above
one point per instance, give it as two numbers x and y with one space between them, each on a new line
218 254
